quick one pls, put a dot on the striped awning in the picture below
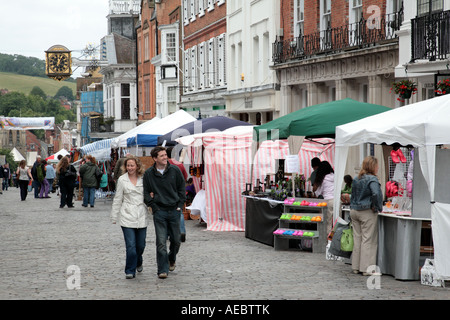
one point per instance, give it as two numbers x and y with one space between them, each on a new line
101 149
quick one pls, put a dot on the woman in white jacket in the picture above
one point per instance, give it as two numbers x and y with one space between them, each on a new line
130 212
324 188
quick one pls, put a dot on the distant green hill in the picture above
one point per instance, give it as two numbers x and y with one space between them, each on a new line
24 84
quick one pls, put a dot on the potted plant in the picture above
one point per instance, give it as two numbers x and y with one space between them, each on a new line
404 88
443 87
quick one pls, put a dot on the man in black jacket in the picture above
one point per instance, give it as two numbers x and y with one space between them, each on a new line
1 177
36 184
164 192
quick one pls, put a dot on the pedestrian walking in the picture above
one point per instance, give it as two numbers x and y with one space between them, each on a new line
185 175
131 213
365 203
36 185
66 175
50 176
1 177
88 174
6 176
164 192
41 173
23 176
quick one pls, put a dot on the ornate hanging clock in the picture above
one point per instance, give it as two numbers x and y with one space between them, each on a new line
58 61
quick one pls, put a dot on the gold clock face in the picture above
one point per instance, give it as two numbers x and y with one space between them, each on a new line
58 63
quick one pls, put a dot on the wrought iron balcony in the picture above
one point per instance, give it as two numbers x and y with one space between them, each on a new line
353 36
430 36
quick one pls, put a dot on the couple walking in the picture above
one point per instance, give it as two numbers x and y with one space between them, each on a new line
162 188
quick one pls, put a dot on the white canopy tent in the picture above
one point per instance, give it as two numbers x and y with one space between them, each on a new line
121 141
423 125
17 155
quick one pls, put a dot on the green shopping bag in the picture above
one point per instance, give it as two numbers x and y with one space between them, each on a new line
347 239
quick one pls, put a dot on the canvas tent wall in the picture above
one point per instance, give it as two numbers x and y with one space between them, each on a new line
101 149
423 125
227 162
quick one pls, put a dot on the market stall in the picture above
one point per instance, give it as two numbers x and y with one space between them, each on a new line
424 126
227 169
211 124
54 157
149 137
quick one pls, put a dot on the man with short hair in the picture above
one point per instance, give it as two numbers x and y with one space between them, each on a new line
164 192
315 163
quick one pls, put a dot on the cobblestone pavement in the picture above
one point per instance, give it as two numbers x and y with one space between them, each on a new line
46 250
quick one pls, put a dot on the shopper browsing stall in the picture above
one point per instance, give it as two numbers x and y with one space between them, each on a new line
366 201
324 188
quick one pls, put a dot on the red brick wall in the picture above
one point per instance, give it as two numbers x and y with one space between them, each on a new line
199 26
339 14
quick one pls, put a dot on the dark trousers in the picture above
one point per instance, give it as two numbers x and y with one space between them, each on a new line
23 184
66 193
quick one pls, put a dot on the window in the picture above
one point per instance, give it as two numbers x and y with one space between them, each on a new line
146 47
299 15
326 24
172 99
425 7
256 60
355 27
171 47
147 96
125 104
95 124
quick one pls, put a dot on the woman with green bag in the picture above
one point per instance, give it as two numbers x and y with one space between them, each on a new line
365 203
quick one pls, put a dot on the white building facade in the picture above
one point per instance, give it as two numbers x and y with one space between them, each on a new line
118 52
424 45
252 87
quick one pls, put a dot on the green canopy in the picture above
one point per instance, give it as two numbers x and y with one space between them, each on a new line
316 121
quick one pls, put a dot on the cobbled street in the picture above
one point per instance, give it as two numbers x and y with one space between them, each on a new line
45 250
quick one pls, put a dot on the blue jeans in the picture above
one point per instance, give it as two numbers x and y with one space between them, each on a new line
88 196
36 185
182 225
167 224
135 245
50 185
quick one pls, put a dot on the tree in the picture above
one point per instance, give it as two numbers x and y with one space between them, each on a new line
65 92
12 101
37 91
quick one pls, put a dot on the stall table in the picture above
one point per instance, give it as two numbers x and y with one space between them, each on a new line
261 218
399 245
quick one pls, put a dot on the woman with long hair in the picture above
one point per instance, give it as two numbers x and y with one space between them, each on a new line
88 174
365 203
67 175
324 189
130 212
23 175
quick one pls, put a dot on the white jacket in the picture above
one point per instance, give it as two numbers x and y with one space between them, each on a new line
128 208
326 189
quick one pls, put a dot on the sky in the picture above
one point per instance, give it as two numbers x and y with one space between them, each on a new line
30 27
